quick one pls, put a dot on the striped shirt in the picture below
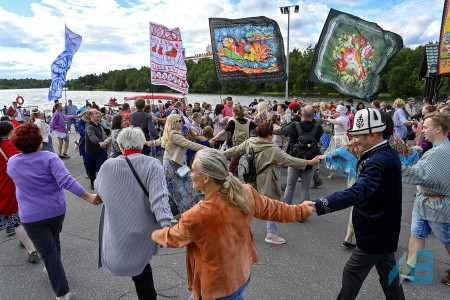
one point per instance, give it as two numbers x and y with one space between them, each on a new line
431 175
129 217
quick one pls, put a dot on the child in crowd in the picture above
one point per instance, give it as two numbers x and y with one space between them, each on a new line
206 120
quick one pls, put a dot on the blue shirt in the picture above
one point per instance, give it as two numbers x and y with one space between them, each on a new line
70 109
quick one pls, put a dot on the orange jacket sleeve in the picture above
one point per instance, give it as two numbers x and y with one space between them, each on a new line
274 210
177 236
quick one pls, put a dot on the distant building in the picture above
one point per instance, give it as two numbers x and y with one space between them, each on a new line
197 57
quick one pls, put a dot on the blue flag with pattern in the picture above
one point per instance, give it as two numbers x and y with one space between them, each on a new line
62 64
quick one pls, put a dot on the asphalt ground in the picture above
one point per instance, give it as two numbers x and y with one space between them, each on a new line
308 266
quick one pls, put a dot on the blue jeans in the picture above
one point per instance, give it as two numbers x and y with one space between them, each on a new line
420 228
45 236
238 295
94 162
69 123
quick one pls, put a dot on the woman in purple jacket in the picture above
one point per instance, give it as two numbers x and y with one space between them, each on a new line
58 124
40 178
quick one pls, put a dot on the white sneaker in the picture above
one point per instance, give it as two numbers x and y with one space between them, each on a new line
67 296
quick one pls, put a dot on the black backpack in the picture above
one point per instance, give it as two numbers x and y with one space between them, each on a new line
246 169
306 146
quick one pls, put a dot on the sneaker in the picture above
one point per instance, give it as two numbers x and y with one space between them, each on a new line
299 179
274 239
32 257
405 271
10 231
67 296
66 156
86 176
446 279
348 245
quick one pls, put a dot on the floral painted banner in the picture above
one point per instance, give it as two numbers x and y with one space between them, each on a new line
444 41
249 49
167 58
351 53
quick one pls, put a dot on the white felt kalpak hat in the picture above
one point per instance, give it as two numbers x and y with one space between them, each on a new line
367 121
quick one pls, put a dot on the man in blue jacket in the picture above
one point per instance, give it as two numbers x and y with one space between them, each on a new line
377 200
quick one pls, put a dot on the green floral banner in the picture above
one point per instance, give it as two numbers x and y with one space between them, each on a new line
351 53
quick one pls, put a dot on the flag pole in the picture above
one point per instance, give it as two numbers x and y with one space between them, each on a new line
150 51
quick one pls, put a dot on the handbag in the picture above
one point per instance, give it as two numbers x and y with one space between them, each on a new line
181 171
77 145
172 204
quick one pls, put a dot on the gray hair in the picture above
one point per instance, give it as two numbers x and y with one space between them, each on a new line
214 164
308 111
131 138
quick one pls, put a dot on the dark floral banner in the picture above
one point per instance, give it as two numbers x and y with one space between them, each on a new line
444 41
249 49
351 53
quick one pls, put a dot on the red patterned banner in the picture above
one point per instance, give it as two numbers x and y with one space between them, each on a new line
167 58
444 41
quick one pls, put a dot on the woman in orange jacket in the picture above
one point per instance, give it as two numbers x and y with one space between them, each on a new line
220 245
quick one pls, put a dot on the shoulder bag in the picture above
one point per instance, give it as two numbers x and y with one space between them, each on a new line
173 206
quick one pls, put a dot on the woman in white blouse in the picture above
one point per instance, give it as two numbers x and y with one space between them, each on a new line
47 144
340 138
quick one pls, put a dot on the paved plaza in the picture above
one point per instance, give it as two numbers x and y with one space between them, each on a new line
308 266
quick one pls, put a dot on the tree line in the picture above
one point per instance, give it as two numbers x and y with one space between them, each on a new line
27 83
399 78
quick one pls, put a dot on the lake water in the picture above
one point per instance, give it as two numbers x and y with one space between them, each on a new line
38 97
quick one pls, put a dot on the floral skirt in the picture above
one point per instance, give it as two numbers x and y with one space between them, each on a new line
337 141
10 221
180 188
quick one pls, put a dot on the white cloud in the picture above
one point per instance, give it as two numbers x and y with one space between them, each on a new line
116 37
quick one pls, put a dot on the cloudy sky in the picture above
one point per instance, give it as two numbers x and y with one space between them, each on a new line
115 32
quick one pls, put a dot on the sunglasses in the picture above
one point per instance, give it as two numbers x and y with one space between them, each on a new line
178 121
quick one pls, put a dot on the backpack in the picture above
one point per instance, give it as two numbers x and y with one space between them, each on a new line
241 132
246 169
306 146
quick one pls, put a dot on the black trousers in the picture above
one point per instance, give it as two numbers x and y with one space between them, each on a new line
144 284
45 236
358 267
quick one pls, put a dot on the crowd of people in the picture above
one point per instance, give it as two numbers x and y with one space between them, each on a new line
201 200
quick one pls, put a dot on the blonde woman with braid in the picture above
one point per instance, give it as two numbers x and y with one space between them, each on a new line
217 233
175 145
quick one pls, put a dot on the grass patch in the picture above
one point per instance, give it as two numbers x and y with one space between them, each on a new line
273 94
384 95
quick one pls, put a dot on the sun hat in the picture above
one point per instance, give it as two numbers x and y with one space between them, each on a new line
367 121
207 112
316 104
